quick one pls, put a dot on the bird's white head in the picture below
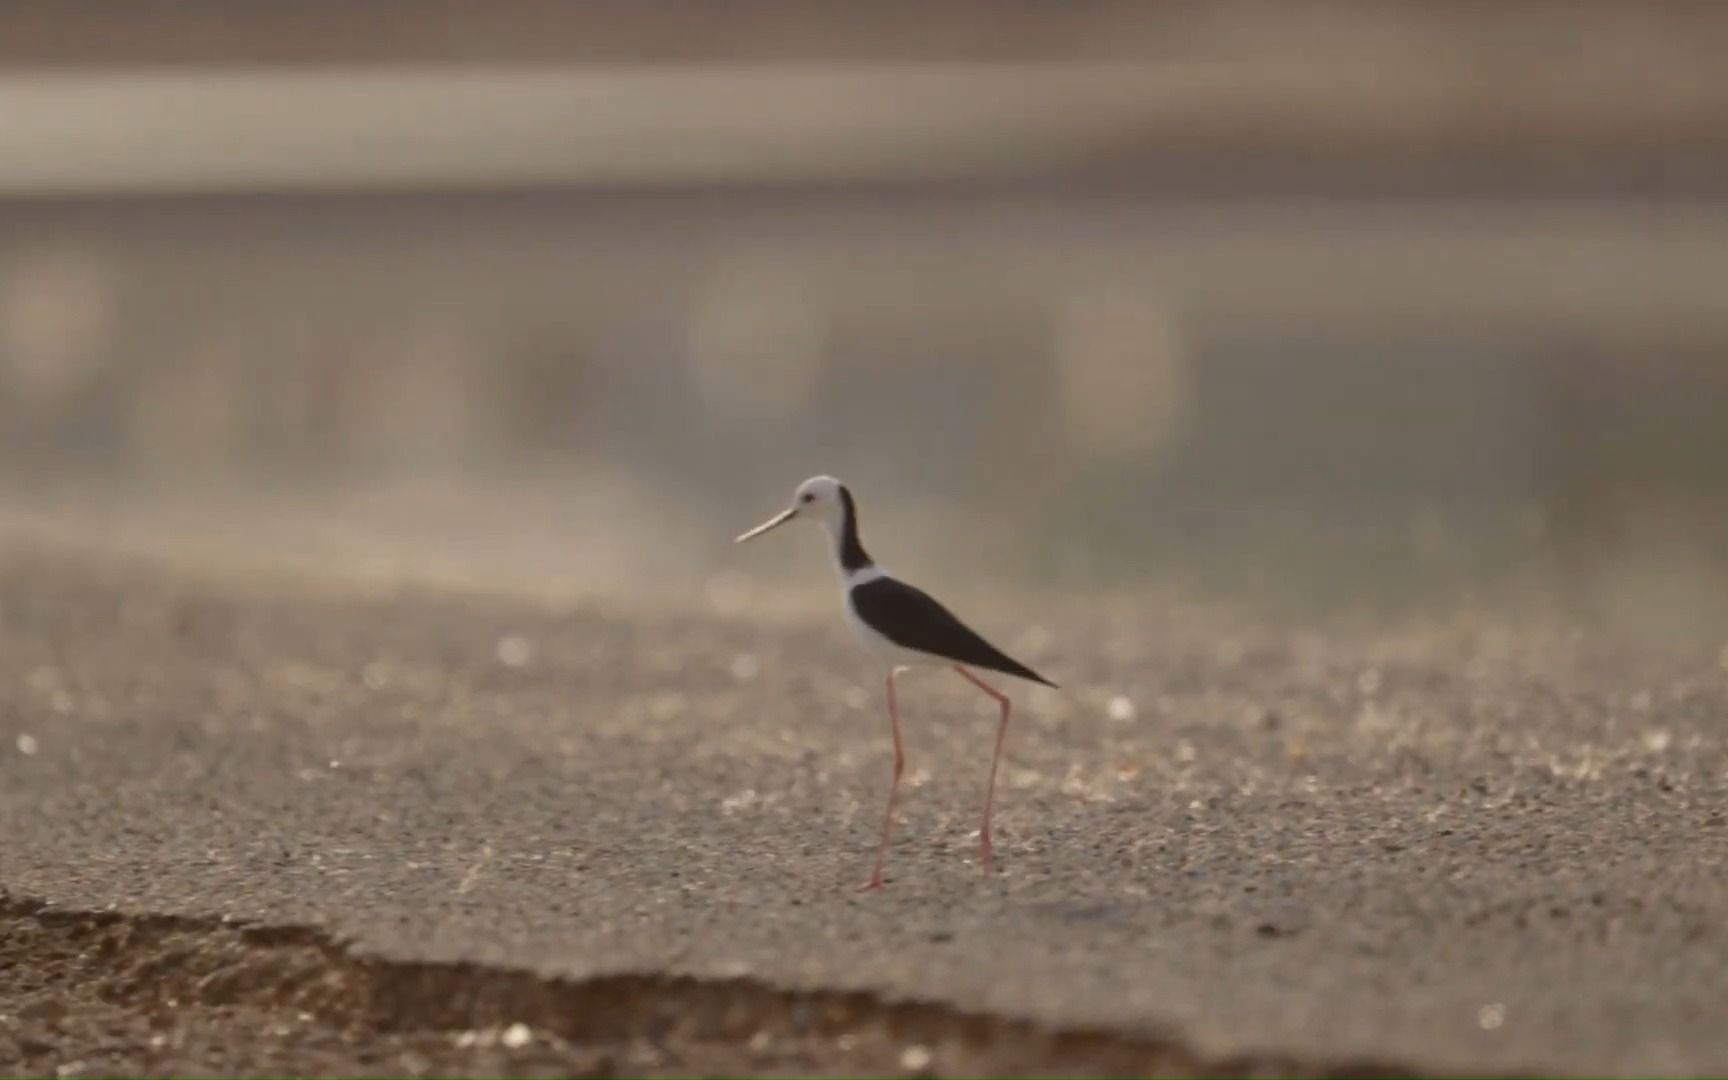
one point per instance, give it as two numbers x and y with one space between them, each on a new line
821 499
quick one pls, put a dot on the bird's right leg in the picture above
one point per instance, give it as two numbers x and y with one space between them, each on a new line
875 881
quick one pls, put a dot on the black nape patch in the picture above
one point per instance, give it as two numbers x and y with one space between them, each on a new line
852 554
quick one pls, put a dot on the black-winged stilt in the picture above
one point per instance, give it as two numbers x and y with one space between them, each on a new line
904 627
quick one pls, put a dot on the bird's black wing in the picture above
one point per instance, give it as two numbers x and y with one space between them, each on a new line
913 619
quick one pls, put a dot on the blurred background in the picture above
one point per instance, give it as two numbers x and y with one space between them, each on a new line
1300 304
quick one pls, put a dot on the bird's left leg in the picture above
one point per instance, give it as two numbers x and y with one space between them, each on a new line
875 882
995 760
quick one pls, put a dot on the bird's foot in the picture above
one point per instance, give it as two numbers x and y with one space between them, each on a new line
873 885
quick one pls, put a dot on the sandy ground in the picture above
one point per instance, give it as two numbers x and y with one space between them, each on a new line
256 827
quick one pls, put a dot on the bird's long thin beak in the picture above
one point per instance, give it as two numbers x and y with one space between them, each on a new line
778 519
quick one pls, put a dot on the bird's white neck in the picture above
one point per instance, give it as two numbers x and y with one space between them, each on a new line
861 576
838 528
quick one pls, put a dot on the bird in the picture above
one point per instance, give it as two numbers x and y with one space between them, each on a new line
903 627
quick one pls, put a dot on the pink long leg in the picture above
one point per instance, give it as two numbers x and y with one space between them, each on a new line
875 881
995 760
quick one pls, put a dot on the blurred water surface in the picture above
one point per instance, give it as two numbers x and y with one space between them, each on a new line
1355 339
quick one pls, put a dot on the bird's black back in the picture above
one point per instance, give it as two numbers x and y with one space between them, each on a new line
913 619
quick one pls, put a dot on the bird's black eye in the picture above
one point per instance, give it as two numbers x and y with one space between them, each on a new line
806 497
